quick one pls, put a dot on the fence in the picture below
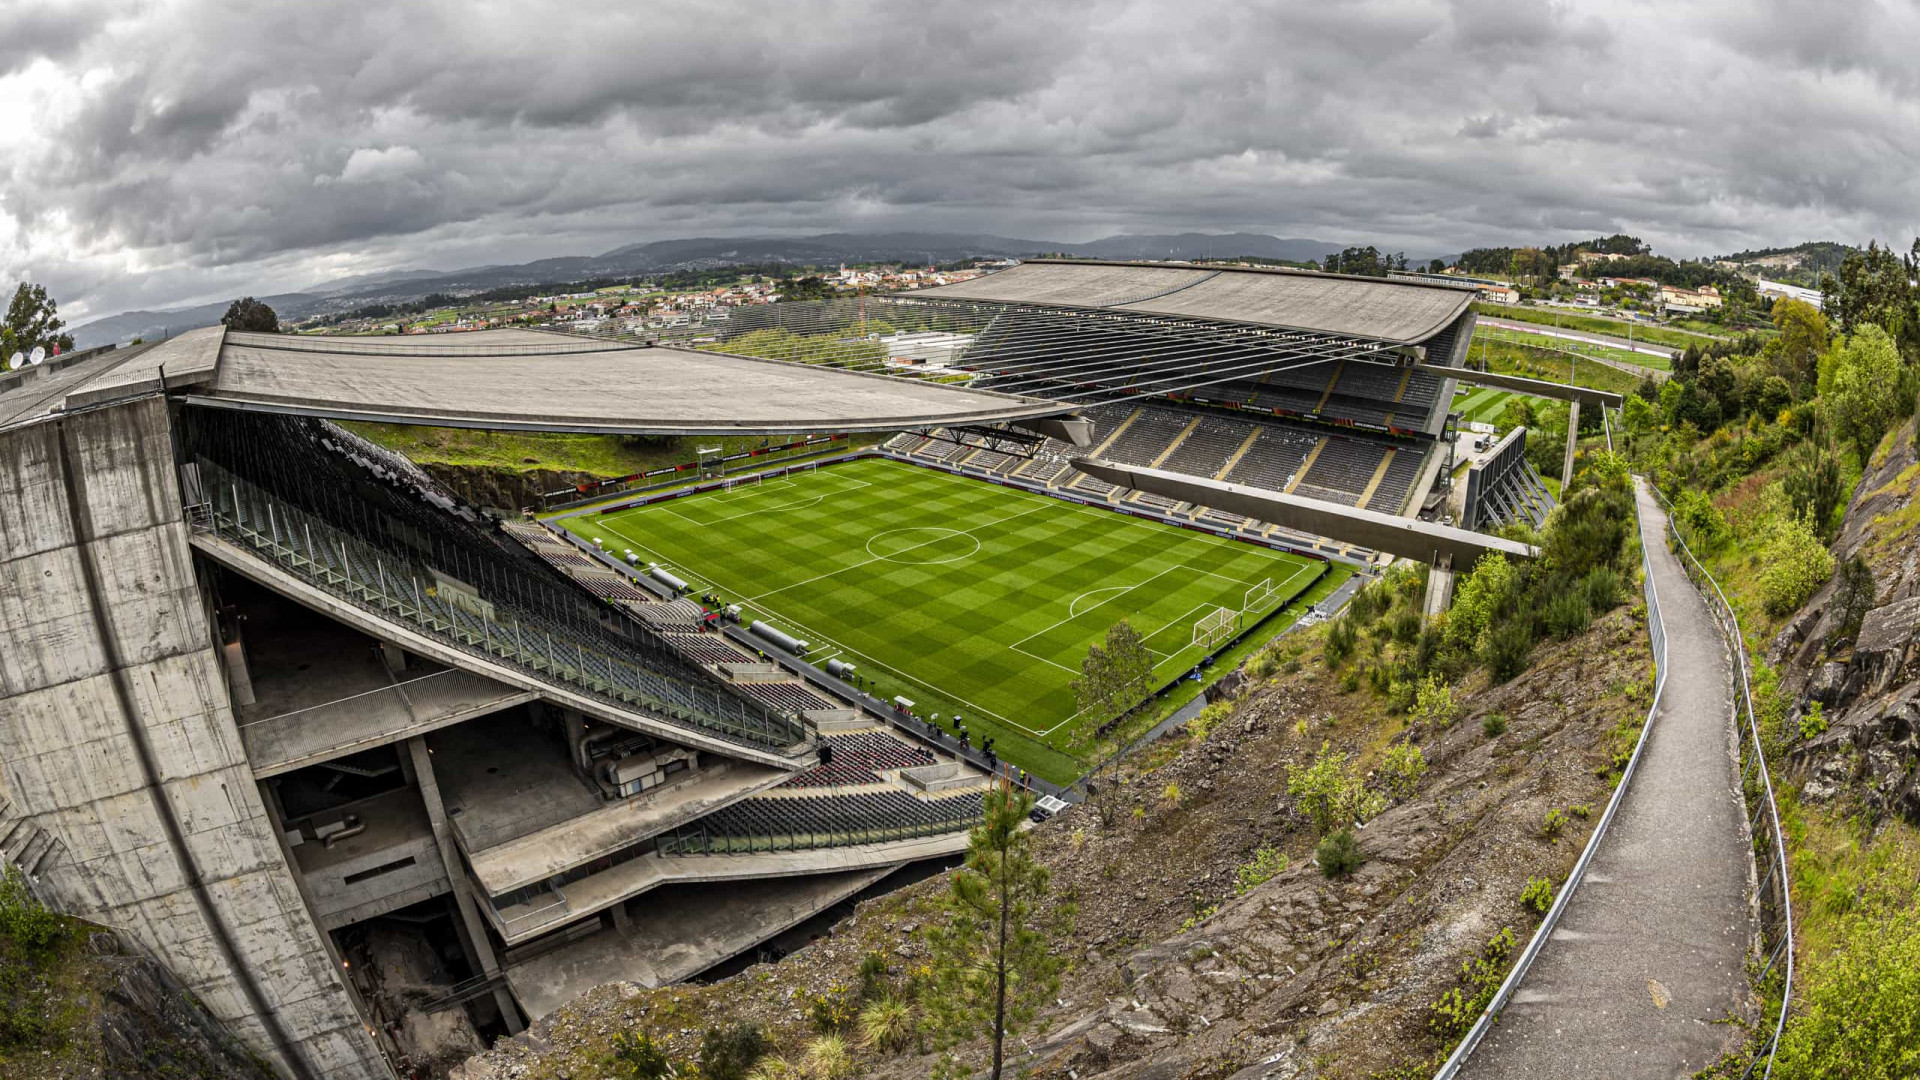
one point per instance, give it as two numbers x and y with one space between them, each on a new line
1774 898
1657 638
378 581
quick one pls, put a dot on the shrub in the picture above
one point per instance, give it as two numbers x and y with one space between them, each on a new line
1170 794
1507 649
1796 564
1494 724
1861 1017
826 1058
1329 793
873 975
830 1011
886 1025
23 920
1538 894
1342 634
1603 589
1404 626
636 1057
1551 825
1814 723
772 1068
1339 854
1265 864
1401 770
1480 977
730 1053
1434 703
1568 614
1202 725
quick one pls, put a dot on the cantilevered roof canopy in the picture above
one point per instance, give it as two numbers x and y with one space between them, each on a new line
1392 310
511 379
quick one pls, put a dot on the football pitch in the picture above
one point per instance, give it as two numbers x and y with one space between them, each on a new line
964 596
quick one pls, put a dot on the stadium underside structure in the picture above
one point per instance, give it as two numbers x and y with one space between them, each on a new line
277 705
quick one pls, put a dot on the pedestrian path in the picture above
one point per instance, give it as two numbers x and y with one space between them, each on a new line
1651 948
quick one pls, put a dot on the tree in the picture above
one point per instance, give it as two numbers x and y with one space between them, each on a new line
249 314
1116 675
1875 288
1854 595
992 964
1803 337
1813 482
33 321
1856 379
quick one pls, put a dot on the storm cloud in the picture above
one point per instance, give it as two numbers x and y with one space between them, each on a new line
157 153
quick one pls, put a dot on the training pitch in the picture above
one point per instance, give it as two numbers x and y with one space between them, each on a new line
963 596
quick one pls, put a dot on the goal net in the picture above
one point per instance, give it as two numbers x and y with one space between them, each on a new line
1214 627
743 481
1258 595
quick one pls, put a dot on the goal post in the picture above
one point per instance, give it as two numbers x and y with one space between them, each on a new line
1257 595
1214 627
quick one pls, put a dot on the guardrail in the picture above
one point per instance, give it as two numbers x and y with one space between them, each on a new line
1753 761
1657 639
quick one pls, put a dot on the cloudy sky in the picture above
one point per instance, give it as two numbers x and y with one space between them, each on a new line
166 152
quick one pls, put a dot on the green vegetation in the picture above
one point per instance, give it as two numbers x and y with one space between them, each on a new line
1116 675
1595 324
730 1053
1330 792
1266 862
969 599
1401 770
1493 725
993 965
1339 854
1757 443
32 322
521 451
1538 894
1454 1014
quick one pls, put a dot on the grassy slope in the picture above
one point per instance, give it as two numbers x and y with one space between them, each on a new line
1597 324
600 455
993 609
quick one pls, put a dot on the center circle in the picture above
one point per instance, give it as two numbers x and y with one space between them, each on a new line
922 546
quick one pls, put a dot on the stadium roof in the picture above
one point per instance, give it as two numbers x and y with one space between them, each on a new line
1392 310
516 379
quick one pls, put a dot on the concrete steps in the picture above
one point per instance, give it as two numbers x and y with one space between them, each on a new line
22 843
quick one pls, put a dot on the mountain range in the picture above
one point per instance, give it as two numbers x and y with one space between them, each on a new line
697 253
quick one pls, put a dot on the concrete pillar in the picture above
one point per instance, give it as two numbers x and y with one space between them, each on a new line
396 657
622 922
1439 588
1573 440
482 953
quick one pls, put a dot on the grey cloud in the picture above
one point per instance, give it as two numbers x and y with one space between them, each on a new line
217 150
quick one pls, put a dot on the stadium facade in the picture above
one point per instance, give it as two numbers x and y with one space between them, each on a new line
348 754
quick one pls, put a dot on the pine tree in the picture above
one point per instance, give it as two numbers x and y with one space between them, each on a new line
992 961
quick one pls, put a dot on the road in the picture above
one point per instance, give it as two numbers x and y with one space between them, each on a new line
1649 955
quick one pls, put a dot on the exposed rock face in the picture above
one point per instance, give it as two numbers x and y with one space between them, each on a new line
146 1024
504 489
1869 696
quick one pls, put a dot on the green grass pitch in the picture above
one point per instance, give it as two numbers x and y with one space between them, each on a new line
964 596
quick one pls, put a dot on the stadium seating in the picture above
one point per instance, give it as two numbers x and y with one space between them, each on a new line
851 815
1208 446
1274 458
859 757
1342 470
1394 487
784 696
1147 437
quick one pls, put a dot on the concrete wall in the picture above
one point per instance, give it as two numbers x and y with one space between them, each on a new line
117 736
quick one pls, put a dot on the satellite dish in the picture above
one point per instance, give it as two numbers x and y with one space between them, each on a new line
39 355
18 361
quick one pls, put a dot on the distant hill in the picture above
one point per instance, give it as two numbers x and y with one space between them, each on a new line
153 325
1801 264
699 253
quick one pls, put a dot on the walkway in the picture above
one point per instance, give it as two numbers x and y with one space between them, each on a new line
1650 950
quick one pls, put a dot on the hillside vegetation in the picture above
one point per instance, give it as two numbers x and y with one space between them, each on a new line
1792 468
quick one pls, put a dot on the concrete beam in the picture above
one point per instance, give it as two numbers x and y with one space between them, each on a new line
1077 430
1521 385
1406 537
1573 443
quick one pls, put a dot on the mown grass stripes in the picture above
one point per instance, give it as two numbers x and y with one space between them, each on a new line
964 596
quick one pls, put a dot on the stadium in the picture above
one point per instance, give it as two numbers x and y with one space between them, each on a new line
360 761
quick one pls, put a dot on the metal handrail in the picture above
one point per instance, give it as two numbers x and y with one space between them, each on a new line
1730 624
1657 640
